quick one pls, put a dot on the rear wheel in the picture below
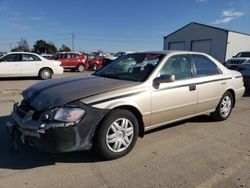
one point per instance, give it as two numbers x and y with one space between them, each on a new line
45 74
81 68
224 108
117 134
95 67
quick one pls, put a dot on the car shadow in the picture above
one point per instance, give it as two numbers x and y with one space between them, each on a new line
198 119
18 78
27 157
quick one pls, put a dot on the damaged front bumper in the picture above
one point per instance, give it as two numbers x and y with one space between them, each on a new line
53 136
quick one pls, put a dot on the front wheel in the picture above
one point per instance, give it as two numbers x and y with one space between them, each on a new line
224 108
45 74
81 68
117 134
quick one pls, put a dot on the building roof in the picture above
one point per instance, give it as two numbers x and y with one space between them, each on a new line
226 30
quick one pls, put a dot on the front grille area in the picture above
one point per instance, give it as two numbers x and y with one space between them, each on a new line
24 108
236 62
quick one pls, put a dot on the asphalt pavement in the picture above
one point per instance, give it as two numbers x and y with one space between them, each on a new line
197 152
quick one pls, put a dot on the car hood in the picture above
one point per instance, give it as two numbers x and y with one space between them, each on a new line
49 94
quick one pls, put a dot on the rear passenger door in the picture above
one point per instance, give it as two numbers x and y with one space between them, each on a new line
30 64
211 83
73 60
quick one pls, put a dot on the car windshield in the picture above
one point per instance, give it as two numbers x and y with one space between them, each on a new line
243 54
134 67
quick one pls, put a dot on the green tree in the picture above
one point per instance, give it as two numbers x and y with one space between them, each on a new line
64 48
41 46
51 48
22 46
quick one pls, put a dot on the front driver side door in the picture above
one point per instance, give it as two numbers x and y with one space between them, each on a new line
178 99
10 65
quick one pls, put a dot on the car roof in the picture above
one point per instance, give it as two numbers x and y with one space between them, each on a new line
239 58
69 53
22 53
165 52
244 52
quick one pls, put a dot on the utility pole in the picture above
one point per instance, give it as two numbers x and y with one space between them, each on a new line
10 46
73 42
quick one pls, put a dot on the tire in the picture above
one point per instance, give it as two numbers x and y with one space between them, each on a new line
117 134
224 108
95 67
81 68
45 74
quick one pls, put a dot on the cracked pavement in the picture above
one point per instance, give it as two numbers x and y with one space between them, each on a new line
197 152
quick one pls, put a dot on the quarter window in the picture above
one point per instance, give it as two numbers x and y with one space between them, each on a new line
204 66
178 65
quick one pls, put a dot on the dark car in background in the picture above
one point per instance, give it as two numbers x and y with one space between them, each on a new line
245 71
234 63
72 60
243 54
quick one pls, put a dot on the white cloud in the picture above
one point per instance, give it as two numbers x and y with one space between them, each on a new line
36 18
232 13
228 16
201 1
224 20
15 13
20 26
2 8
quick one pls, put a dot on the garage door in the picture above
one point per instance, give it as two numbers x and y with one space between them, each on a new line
176 45
201 46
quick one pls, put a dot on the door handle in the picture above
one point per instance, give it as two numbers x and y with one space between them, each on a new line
192 87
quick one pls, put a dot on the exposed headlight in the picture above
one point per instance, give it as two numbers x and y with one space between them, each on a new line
69 115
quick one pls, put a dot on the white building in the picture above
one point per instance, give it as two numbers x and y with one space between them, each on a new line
222 44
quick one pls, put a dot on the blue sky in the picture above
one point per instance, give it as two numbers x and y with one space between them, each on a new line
113 25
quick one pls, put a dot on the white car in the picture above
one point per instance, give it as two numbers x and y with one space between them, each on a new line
17 64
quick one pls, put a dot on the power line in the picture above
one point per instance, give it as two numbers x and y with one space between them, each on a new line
73 42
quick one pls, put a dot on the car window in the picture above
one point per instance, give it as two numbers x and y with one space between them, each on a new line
63 56
72 55
178 65
135 67
204 66
30 57
243 54
11 58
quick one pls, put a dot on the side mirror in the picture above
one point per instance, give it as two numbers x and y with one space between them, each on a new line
165 78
